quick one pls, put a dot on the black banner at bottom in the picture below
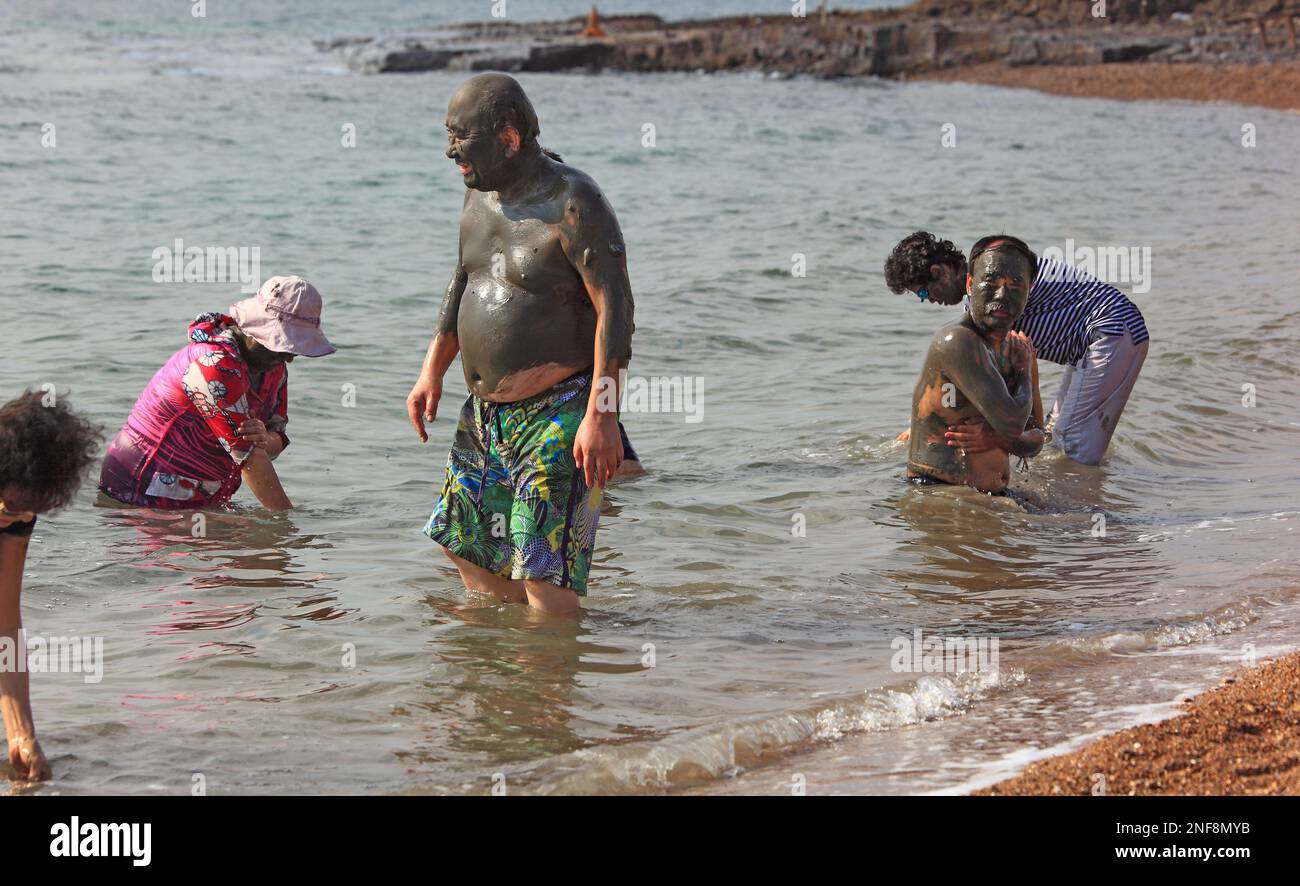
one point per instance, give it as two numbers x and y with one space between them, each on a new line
305 834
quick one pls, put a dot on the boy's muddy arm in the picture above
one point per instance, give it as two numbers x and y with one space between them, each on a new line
1030 442
25 753
422 402
973 368
976 436
594 245
262 479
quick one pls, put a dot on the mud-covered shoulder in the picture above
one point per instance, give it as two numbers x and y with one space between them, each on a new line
583 197
953 343
591 230
954 336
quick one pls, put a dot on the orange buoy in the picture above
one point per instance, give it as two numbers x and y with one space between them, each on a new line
593 28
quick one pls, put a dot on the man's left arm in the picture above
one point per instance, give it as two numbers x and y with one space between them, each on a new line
977 436
1030 442
594 246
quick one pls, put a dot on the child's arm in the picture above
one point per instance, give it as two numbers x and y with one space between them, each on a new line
25 753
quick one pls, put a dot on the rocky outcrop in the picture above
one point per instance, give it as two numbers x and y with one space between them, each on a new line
928 36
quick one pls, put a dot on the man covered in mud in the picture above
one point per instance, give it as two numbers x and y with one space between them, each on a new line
978 369
539 304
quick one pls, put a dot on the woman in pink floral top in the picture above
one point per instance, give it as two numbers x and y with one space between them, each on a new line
216 412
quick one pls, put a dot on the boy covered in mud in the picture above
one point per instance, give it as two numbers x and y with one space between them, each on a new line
1071 317
979 370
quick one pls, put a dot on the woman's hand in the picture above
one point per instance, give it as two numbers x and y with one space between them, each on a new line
255 432
27 759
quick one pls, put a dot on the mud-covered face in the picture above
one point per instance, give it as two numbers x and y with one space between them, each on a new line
947 285
999 289
478 151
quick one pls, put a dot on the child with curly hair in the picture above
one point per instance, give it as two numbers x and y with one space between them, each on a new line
44 453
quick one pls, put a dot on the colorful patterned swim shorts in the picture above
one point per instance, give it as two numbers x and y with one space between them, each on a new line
513 501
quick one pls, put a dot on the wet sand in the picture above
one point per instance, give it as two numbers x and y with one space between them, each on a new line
1274 85
1241 738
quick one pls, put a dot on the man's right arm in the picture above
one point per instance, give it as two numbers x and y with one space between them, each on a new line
974 369
422 402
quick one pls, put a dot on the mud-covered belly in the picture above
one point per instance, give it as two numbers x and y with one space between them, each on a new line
988 471
505 332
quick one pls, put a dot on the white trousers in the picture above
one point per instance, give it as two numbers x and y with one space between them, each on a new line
1093 394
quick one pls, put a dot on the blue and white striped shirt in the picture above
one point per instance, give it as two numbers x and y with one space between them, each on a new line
1069 307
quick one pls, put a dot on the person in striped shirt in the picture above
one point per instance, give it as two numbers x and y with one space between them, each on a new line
1072 318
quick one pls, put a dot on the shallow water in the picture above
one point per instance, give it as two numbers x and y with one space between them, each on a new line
225 655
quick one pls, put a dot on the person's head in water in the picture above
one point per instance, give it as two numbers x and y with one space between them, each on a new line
1002 270
44 453
933 269
492 131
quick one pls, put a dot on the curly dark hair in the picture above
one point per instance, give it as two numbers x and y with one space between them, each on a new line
908 266
44 450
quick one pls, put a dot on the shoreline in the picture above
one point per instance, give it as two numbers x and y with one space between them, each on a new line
1213 50
1270 85
1240 738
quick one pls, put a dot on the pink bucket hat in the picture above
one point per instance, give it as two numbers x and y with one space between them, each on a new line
284 316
